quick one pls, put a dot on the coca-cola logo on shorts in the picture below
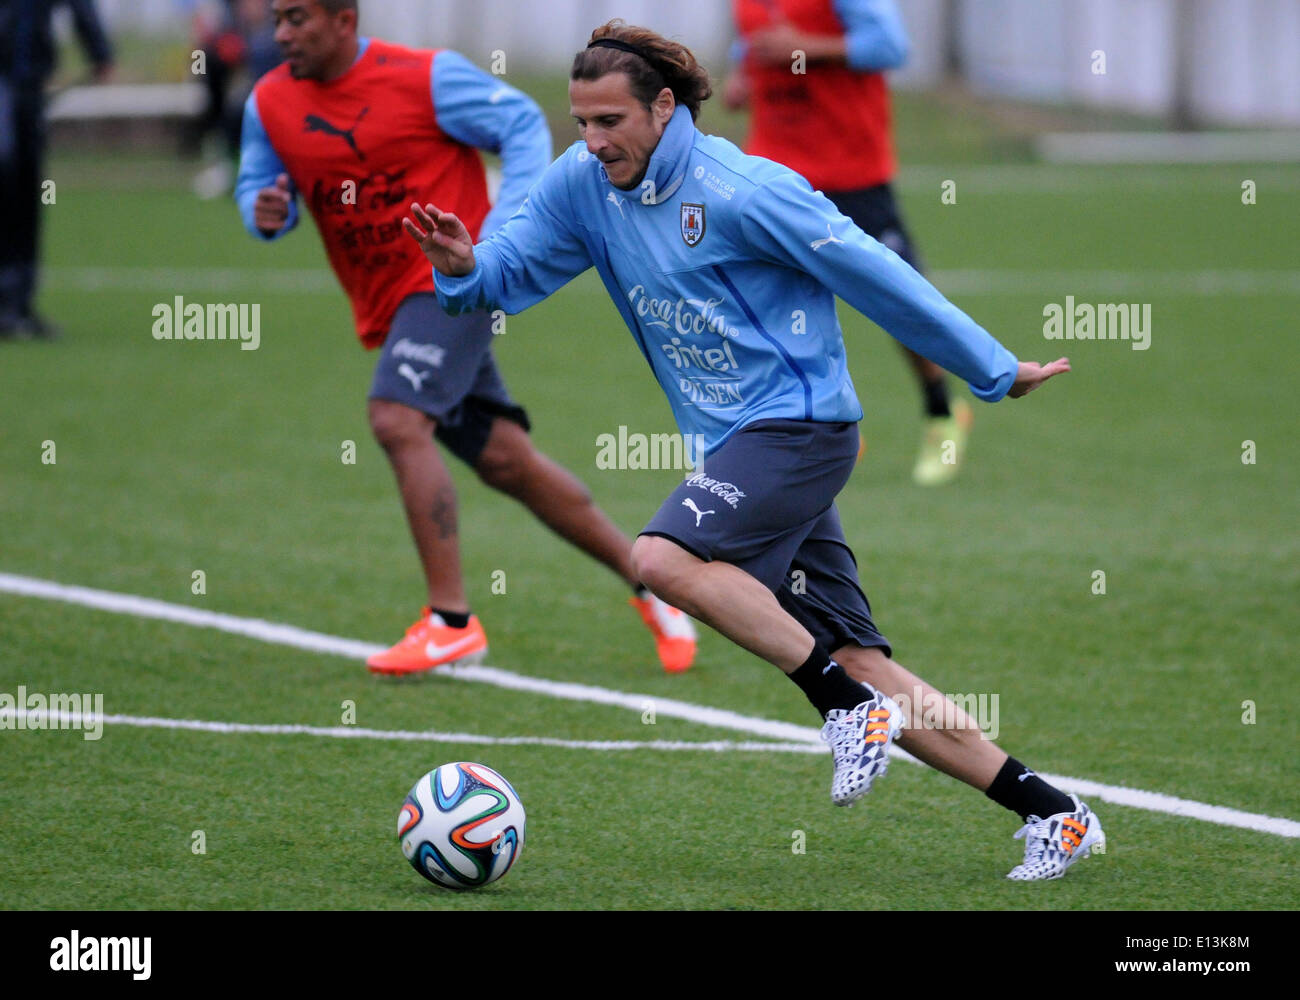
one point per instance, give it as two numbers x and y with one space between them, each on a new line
729 492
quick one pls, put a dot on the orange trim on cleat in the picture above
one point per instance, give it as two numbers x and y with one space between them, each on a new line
431 643
674 634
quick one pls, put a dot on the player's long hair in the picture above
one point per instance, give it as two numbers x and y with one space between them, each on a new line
666 64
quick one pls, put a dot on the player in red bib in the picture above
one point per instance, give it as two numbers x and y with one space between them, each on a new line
837 87
359 128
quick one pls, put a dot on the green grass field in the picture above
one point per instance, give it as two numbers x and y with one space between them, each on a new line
178 457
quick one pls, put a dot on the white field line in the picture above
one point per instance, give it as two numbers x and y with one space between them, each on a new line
927 180
81 720
799 739
166 283
1166 148
1051 284
318 642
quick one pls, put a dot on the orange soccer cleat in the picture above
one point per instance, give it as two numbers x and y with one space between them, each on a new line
674 634
430 643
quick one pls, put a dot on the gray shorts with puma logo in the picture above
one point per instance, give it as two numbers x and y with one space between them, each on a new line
765 502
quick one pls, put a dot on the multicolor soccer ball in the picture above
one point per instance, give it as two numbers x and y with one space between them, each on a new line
461 826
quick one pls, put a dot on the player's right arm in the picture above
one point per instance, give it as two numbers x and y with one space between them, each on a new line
264 191
535 253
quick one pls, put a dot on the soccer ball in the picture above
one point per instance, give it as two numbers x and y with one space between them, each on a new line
461 826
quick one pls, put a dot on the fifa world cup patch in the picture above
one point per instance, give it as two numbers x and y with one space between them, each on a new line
692 223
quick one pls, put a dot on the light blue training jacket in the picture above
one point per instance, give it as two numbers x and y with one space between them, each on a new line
725 267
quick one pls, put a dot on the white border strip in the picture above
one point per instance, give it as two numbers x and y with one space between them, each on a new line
319 642
1203 282
799 739
81 720
1168 147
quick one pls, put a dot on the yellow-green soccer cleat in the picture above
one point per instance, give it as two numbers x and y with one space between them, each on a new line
943 446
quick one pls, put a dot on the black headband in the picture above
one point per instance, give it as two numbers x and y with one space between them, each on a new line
614 43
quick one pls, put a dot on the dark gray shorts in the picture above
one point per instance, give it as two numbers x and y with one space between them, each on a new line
442 365
765 502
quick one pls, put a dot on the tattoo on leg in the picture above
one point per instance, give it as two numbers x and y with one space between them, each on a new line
444 515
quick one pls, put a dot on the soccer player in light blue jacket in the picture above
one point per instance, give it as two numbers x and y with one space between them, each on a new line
725 268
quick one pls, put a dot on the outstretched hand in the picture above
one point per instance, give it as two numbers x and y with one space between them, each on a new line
1031 375
442 238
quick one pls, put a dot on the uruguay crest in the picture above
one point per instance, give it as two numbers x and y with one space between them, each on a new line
692 223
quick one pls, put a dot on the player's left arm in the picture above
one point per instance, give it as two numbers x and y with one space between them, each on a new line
873 39
484 111
786 222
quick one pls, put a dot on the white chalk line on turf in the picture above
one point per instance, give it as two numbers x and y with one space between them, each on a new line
319 642
956 281
1031 179
79 720
288 635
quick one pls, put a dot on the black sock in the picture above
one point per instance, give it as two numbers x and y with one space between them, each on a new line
827 685
936 398
456 619
1031 797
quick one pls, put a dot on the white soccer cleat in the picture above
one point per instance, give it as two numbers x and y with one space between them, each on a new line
859 741
1055 843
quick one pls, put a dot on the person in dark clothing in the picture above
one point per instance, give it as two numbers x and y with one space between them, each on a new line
27 59
238 42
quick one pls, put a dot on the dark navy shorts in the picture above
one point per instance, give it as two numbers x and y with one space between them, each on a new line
765 502
875 212
442 366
